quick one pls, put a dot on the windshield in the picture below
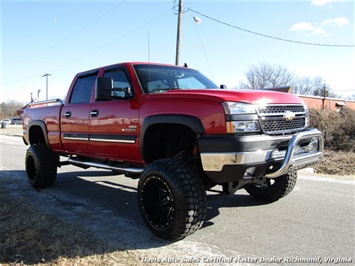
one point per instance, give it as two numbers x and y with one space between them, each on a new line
158 79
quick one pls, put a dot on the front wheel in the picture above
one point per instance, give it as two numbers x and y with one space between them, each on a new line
273 189
172 199
41 166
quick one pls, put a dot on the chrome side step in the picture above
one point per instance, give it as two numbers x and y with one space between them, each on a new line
105 166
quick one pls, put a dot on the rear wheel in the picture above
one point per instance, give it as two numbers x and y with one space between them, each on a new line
41 166
273 189
172 199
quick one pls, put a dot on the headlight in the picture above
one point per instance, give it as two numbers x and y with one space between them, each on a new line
242 126
235 108
307 120
240 117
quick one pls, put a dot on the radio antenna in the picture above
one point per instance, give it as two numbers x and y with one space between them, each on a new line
148 48
148 59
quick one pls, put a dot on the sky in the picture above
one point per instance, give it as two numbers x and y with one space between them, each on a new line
62 38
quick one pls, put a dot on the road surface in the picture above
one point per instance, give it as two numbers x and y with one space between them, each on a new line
314 223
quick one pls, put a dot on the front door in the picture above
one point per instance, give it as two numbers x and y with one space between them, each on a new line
114 125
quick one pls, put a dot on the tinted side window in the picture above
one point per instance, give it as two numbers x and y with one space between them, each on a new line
120 80
82 89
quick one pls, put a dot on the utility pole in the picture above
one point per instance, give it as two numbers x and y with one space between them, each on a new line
323 97
46 75
180 14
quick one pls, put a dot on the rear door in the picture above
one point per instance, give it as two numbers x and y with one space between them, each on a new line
75 116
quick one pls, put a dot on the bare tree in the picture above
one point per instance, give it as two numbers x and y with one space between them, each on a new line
9 109
266 75
308 85
315 86
325 91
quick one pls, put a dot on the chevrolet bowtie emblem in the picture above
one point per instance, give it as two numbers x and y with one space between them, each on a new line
289 115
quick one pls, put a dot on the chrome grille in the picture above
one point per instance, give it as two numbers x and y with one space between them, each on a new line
274 121
276 109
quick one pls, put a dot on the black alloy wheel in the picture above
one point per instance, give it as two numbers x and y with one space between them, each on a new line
158 202
172 199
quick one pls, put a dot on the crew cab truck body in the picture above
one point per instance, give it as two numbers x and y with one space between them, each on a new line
178 133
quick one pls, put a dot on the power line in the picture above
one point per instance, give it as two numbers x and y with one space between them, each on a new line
66 38
269 36
347 90
96 50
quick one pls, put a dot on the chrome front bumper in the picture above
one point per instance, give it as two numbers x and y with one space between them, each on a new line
295 156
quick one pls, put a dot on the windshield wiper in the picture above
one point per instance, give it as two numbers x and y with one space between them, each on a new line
160 90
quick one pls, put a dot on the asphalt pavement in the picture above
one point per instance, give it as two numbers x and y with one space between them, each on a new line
313 224
11 130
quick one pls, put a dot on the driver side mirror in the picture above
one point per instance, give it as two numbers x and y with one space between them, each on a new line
223 87
103 89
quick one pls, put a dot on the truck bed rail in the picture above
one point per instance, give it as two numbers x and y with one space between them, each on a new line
44 103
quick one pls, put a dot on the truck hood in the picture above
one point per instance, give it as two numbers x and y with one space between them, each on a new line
245 96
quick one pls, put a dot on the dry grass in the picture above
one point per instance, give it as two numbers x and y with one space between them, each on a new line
338 163
338 128
28 236
339 139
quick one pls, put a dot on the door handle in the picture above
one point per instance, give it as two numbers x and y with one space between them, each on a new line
94 113
67 114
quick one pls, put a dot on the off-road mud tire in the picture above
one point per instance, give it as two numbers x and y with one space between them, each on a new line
273 189
41 166
172 199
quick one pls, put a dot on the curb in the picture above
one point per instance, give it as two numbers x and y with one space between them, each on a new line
306 171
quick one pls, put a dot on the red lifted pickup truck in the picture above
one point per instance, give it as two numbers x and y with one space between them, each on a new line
176 131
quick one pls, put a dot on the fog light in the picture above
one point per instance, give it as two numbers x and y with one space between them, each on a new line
249 172
313 146
310 148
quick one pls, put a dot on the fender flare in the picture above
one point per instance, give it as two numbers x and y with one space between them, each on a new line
43 127
191 122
